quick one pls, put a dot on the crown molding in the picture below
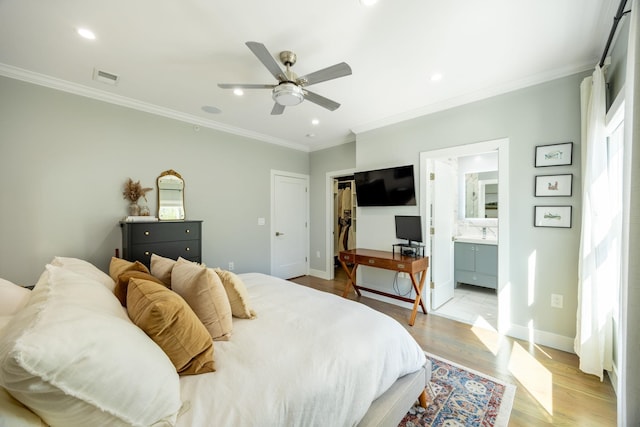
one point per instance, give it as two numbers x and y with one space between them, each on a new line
100 95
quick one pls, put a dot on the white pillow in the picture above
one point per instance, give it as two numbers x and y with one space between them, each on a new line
12 297
74 358
15 414
86 269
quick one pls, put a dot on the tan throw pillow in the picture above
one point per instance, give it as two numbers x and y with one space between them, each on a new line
119 266
237 294
203 291
122 284
167 319
161 268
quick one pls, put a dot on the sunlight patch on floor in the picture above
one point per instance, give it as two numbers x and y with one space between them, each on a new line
533 376
487 334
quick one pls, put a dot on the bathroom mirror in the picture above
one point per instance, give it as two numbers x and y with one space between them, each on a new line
170 196
481 195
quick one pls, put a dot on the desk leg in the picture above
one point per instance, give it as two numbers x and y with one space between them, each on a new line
352 279
418 289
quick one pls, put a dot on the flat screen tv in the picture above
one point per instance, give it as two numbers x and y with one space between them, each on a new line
386 187
409 228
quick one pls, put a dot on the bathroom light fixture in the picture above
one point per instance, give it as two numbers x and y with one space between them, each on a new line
238 92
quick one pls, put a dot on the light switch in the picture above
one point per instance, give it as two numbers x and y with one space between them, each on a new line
261 221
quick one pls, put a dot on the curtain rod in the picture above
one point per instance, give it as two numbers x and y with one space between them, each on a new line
616 20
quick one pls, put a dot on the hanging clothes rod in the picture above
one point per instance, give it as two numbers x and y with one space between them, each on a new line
616 20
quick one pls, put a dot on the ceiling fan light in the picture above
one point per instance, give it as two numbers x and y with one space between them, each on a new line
287 94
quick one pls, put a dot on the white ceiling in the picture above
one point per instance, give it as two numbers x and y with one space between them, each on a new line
170 55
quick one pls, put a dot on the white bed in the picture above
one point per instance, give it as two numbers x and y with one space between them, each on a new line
71 354
309 359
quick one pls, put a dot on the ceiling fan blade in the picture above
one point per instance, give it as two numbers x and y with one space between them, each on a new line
244 86
320 100
267 60
277 109
335 71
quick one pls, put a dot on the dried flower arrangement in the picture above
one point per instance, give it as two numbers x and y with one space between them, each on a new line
133 191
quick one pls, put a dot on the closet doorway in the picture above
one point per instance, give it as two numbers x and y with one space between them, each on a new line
344 218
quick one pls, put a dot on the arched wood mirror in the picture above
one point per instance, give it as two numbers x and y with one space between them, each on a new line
170 196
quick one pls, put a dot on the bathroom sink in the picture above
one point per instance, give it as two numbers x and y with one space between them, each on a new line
476 239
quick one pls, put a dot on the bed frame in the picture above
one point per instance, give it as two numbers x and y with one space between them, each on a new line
389 409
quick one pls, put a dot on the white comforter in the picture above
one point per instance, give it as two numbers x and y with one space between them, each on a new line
309 359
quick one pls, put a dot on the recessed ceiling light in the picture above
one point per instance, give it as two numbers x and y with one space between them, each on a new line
86 33
211 109
436 77
238 92
368 2
315 122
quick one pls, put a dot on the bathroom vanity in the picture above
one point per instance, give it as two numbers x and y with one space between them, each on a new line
476 262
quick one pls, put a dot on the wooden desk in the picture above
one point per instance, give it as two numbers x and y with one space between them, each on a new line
387 261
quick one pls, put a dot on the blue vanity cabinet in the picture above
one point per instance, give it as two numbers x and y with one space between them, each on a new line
476 264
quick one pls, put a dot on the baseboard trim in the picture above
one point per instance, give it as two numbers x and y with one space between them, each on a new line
319 273
549 339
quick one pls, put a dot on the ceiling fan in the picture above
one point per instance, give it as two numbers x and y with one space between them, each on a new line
291 89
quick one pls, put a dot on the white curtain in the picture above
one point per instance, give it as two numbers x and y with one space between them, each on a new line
599 263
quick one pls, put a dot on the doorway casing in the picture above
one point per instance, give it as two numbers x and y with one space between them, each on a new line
502 146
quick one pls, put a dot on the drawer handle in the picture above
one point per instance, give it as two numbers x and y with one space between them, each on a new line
346 257
188 249
147 253
372 261
400 265
146 233
187 231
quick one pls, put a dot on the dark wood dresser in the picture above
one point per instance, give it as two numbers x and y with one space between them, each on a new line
170 239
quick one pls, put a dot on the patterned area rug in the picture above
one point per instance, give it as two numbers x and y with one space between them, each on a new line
460 396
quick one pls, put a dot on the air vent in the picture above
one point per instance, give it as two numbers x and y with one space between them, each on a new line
105 77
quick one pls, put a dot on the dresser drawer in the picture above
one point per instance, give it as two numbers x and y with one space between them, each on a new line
164 232
188 249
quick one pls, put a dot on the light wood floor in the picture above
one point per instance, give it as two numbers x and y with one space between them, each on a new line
551 390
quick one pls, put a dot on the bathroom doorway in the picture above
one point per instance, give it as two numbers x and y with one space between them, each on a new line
478 303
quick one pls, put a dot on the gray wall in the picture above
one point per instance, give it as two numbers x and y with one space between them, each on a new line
331 159
544 114
64 160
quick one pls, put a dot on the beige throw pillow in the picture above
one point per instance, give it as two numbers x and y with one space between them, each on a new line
167 319
205 294
161 268
237 294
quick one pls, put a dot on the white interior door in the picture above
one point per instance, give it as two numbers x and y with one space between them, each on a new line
443 216
289 232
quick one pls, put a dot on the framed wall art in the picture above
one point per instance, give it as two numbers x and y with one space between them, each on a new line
554 185
554 154
552 216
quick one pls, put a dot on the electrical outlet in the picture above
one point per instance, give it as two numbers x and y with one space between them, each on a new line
317 254
556 301
231 266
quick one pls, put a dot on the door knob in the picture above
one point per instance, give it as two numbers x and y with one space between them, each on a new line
279 233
